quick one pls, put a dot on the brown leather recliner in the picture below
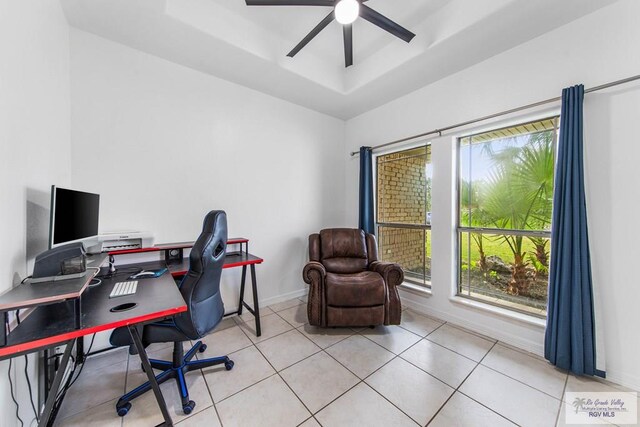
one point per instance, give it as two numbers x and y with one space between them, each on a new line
349 286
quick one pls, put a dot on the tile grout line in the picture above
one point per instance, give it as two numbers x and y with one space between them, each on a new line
480 403
522 382
564 389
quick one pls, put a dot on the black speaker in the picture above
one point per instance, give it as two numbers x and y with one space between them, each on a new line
173 256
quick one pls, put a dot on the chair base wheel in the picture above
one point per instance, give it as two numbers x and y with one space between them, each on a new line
229 365
202 348
188 408
124 409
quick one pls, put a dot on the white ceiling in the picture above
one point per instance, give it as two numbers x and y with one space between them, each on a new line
248 45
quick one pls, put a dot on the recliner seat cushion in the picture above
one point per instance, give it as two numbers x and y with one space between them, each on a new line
364 289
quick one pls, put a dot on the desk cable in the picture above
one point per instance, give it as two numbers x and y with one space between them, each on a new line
70 381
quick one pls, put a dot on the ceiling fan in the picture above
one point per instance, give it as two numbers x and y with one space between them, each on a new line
345 12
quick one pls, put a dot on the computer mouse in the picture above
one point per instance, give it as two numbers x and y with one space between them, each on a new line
143 274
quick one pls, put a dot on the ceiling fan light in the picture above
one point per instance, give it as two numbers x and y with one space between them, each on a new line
347 11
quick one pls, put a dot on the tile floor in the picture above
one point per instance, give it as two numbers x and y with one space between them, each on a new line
424 372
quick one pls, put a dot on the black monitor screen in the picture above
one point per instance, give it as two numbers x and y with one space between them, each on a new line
74 215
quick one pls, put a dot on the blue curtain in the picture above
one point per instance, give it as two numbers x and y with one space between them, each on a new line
569 337
366 221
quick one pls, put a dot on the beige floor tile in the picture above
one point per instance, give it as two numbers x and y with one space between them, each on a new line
107 358
206 418
586 384
460 411
103 415
158 346
250 367
318 380
271 326
285 304
419 324
286 349
248 317
304 298
325 337
296 316
144 410
362 407
517 402
268 403
226 341
440 362
106 383
311 422
415 392
360 355
393 338
225 323
462 342
527 369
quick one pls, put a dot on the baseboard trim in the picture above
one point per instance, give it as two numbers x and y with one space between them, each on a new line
624 379
284 297
511 339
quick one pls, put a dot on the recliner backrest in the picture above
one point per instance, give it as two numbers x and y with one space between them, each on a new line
343 250
200 288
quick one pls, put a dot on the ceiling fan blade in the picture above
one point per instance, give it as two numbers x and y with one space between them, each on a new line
326 21
330 3
385 23
347 31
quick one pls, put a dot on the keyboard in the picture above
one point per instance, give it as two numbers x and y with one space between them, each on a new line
124 288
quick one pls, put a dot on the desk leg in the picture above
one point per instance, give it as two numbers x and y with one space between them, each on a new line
256 308
242 282
135 336
53 392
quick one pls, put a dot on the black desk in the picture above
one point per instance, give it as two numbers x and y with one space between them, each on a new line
233 259
53 325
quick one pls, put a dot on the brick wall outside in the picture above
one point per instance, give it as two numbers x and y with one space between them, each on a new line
401 183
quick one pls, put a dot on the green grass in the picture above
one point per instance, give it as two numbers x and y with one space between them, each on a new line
493 245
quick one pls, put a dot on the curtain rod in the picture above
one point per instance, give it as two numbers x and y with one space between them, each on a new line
502 113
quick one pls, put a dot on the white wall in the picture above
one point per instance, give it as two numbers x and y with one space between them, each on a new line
164 144
598 48
34 149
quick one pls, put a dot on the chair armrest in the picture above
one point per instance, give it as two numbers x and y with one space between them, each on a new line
391 272
313 272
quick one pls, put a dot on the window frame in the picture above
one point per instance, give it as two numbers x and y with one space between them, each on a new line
425 284
460 231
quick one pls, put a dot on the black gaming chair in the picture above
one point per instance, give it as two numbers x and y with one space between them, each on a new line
200 288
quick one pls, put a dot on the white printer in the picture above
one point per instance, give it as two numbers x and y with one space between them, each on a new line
122 240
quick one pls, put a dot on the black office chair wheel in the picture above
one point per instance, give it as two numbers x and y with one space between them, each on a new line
202 348
124 409
188 408
229 365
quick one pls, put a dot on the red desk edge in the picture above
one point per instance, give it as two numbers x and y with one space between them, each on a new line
168 246
58 339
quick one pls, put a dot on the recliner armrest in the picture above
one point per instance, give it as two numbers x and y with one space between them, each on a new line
312 269
391 272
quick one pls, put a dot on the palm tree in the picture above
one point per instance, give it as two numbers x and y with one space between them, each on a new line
518 196
474 216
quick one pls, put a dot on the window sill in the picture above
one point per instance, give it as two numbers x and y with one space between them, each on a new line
521 317
415 289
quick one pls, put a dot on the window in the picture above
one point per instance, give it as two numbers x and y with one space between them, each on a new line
403 216
505 182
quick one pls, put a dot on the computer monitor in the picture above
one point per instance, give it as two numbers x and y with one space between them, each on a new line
74 216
